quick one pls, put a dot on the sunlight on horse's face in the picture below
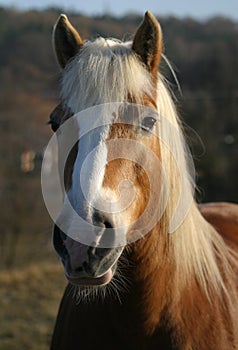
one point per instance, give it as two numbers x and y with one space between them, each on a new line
116 190
113 194
131 172
106 177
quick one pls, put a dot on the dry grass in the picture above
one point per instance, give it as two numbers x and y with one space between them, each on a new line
29 300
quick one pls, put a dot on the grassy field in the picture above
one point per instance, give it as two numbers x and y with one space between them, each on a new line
29 300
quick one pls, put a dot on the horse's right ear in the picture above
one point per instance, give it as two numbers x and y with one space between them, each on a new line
66 40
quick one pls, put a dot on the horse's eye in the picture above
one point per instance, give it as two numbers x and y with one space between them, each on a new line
53 124
148 123
61 112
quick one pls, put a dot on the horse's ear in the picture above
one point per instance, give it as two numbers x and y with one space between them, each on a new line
66 40
148 42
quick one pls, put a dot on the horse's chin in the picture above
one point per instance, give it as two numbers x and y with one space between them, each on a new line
92 281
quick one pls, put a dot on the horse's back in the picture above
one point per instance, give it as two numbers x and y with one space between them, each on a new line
223 217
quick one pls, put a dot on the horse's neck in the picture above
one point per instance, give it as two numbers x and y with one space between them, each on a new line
170 303
152 278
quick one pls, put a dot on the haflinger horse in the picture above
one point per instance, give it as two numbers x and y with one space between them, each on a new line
166 290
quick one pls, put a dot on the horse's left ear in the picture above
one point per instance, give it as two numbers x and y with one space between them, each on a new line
66 40
148 43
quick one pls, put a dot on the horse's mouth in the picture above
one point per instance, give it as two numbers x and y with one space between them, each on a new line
91 281
82 277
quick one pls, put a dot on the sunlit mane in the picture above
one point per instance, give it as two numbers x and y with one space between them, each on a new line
106 70
109 71
196 246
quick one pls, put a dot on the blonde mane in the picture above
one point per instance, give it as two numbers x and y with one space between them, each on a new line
197 248
107 70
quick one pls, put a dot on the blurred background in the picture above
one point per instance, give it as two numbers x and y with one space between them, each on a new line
200 40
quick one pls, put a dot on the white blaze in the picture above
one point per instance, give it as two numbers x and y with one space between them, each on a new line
89 168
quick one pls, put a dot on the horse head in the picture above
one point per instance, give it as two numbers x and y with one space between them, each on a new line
117 81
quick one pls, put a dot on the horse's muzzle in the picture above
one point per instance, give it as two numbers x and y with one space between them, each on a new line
85 265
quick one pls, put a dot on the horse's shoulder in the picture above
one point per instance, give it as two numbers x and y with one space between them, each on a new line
223 217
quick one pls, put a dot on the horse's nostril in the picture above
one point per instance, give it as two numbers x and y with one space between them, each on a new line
108 224
107 232
100 220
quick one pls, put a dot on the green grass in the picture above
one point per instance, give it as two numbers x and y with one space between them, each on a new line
29 300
